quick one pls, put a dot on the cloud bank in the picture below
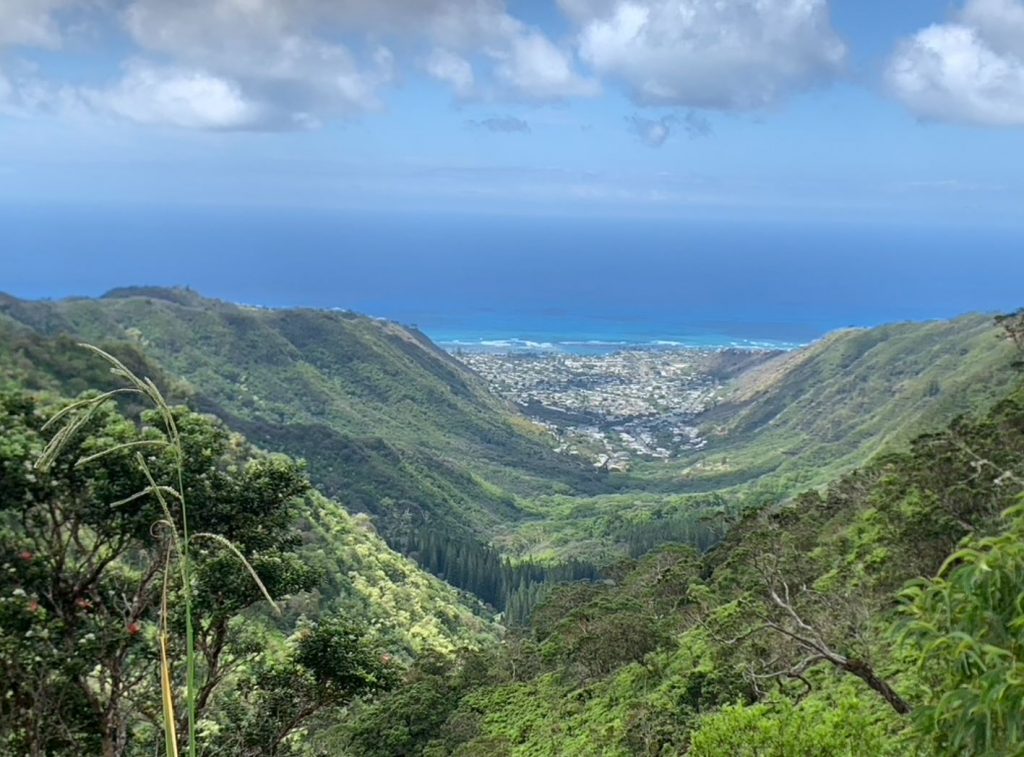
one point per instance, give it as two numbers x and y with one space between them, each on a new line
31 22
288 64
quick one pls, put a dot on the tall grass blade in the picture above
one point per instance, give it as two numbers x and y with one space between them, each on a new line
166 691
252 571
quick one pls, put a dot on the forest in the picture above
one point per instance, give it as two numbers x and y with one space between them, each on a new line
186 573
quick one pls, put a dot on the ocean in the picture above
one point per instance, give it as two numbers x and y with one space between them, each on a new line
487 282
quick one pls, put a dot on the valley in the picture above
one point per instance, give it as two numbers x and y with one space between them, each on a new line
518 541
493 378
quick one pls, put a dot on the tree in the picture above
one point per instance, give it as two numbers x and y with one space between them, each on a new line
84 575
779 614
326 665
781 622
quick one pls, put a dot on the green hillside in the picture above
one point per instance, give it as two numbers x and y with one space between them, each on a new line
788 590
393 426
797 421
387 422
796 636
84 541
807 416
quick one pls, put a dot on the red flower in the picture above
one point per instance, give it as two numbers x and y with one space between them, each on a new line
134 628
26 556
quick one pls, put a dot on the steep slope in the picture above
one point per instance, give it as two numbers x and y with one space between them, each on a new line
388 423
806 416
412 610
799 420
788 638
364 578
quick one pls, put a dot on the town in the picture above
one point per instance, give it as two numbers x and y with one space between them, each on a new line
614 409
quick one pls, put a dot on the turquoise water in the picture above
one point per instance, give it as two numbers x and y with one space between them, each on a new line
584 341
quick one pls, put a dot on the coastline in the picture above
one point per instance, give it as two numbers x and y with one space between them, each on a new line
533 343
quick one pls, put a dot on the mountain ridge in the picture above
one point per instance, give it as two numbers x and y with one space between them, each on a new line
368 387
392 425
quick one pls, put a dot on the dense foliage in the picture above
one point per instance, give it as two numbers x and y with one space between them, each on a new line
709 609
791 637
82 576
967 629
387 422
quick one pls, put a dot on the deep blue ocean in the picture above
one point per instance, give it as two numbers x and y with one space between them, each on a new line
571 283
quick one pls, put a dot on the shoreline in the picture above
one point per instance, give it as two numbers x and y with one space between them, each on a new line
553 346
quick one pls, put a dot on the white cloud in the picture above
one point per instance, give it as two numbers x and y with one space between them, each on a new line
526 63
745 54
299 61
31 24
535 68
175 97
452 69
969 71
273 64
999 22
264 52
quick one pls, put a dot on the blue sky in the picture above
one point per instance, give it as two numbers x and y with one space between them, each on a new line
849 110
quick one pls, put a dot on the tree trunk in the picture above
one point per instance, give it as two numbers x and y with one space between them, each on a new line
864 672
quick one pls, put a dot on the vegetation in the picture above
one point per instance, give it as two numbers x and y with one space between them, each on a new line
386 421
794 636
849 583
92 608
967 628
807 417
392 426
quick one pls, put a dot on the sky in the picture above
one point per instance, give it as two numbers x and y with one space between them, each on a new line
804 163
855 110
